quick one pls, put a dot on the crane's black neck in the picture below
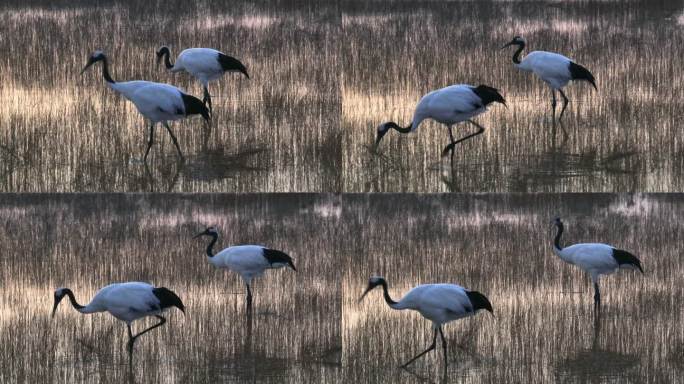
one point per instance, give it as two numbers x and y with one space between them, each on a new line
105 71
516 54
399 128
72 299
210 247
556 241
388 299
167 60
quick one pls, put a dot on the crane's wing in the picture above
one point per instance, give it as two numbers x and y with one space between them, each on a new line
549 65
458 98
595 256
200 61
429 298
135 296
159 98
244 258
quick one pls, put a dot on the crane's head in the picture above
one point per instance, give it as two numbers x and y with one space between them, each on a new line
373 282
164 50
516 41
60 293
557 222
94 58
211 231
381 132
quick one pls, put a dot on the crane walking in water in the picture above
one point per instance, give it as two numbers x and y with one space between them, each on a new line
554 69
594 258
127 302
448 106
204 64
249 261
439 303
159 103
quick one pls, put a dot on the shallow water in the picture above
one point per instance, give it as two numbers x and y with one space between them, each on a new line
625 137
87 241
544 329
274 132
323 76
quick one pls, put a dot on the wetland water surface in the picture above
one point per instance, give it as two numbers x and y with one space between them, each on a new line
274 132
544 329
625 137
323 76
307 326
86 242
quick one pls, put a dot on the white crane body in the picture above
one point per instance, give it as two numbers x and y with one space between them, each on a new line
449 105
249 261
439 303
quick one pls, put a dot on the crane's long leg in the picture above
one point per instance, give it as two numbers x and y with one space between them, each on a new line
207 100
430 348
175 142
597 296
132 338
450 147
444 345
565 104
149 143
249 296
451 137
553 103
130 341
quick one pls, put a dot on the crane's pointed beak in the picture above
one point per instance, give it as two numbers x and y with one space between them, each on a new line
365 293
54 307
378 138
198 235
507 45
90 62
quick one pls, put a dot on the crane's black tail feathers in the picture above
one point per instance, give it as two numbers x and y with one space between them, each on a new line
578 72
626 258
168 298
275 256
488 94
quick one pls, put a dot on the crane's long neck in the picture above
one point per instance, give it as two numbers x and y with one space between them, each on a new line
388 299
74 303
516 54
557 247
556 240
399 128
210 247
167 60
105 71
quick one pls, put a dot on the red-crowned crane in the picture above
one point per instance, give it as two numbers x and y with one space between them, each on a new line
450 105
594 258
127 302
439 303
249 261
159 103
554 69
204 64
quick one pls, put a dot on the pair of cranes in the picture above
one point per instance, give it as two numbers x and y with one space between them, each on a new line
161 103
457 103
443 303
131 301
